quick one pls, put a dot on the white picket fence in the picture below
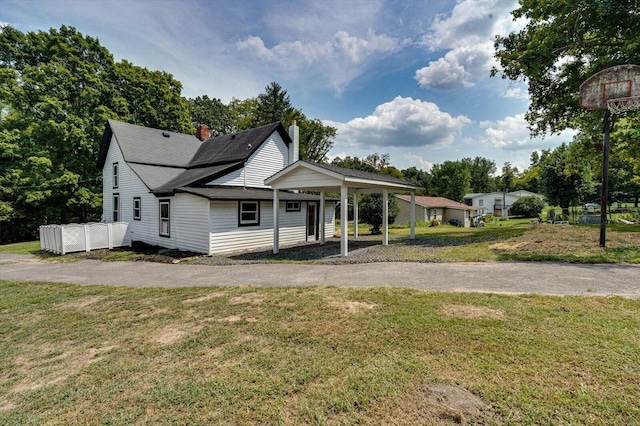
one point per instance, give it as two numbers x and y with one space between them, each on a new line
62 239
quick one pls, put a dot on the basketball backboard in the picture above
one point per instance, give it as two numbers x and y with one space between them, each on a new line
621 81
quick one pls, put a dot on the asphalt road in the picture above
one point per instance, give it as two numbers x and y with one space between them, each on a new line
493 277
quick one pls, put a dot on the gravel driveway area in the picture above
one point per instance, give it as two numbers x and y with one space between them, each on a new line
495 277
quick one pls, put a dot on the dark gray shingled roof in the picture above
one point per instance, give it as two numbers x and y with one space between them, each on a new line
145 145
155 176
195 176
166 160
235 147
235 193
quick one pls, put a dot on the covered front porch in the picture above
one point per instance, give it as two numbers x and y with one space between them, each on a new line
305 176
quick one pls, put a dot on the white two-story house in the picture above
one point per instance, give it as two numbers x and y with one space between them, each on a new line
206 195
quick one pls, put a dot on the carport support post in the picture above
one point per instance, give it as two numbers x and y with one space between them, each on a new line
412 235
355 215
276 221
385 217
321 217
344 216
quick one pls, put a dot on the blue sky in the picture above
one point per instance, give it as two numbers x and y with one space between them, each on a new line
408 78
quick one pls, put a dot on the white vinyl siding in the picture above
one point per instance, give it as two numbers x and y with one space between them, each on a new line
306 178
189 214
269 159
227 236
125 209
329 219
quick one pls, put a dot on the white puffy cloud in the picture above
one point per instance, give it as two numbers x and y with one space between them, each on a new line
418 161
333 62
459 68
402 122
467 33
515 92
512 133
471 22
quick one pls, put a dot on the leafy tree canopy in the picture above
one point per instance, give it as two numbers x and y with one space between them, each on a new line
450 180
57 89
564 43
212 113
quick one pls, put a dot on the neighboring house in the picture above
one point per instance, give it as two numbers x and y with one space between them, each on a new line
205 195
434 208
492 202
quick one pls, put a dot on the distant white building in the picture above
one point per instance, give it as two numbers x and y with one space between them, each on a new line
493 202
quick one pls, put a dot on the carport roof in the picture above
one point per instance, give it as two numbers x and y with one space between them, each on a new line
305 175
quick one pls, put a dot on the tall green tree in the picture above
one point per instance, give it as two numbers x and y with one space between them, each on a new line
563 43
243 113
273 105
417 176
152 98
57 89
565 180
506 180
450 180
212 113
316 140
481 171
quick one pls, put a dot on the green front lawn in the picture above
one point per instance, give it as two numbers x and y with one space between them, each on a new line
248 355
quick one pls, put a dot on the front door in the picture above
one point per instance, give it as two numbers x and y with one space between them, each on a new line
312 221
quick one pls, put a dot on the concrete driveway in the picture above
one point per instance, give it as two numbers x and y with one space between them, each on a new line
494 277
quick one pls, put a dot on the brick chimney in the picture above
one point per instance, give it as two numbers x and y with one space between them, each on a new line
294 149
203 132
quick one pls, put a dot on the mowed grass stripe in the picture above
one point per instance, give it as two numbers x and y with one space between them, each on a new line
323 355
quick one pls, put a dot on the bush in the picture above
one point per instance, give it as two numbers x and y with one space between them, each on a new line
527 206
489 218
371 211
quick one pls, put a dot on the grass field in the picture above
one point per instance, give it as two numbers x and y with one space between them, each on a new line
512 240
245 355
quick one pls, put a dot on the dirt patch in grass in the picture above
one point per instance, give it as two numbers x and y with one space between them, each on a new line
471 312
435 403
251 298
82 303
45 365
351 307
236 318
205 298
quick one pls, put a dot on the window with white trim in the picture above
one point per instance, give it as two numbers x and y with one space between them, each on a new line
137 208
116 207
248 213
115 175
293 206
165 218
481 202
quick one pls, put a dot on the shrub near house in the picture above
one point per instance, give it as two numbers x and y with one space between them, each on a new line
527 206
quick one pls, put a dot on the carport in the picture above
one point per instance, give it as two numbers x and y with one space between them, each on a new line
322 178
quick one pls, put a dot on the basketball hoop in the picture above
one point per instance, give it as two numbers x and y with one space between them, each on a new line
615 90
620 105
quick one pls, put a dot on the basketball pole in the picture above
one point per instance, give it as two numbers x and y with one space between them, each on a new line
609 120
